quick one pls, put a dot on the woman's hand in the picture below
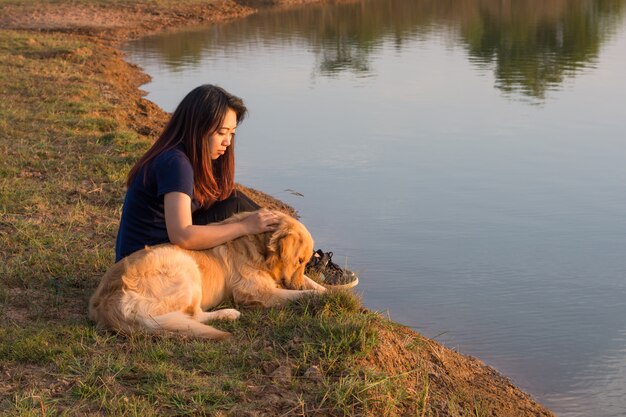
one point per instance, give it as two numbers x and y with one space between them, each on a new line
260 222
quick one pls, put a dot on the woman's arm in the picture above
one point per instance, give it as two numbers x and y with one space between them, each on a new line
183 233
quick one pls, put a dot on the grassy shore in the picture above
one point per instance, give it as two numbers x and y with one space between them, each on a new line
72 121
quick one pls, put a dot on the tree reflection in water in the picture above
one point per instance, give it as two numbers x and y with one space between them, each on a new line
531 45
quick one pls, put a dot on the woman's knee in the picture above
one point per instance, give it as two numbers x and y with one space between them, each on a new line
221 210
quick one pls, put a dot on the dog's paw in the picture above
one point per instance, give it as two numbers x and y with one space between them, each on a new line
223 336
215 334
226 314
317 288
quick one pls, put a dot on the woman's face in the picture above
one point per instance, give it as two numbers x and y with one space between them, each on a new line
221 139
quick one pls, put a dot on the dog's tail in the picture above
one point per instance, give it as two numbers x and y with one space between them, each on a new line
180 322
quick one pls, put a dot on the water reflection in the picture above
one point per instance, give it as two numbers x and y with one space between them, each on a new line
532 46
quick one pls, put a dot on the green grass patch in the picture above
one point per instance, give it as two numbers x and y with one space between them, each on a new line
66 157
112 373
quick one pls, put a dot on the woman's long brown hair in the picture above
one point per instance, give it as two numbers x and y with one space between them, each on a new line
198 116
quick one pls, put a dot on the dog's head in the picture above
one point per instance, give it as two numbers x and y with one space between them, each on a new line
288 251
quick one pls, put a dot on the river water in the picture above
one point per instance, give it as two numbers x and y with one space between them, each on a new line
466 158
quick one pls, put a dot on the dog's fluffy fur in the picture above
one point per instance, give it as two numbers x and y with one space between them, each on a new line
169 288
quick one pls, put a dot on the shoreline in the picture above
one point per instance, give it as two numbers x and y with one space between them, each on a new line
446 377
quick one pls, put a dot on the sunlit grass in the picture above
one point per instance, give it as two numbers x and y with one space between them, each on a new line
170 374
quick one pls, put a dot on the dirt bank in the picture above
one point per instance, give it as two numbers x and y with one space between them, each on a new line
125 19
53 360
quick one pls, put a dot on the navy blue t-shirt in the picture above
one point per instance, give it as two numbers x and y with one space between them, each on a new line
143 215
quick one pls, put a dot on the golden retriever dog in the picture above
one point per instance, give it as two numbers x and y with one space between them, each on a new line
167 288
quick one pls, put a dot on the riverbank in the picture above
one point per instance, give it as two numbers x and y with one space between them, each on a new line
72 122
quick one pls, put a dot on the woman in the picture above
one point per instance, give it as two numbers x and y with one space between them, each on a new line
186 181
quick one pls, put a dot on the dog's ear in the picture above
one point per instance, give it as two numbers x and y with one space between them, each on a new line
272 251
275 244
281 246
272 245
